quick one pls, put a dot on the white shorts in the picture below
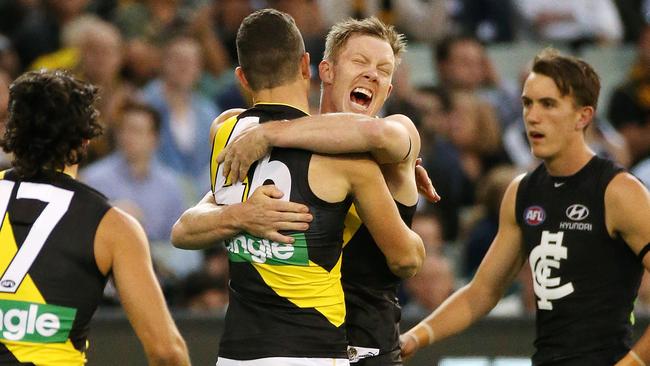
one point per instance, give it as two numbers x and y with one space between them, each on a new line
285 361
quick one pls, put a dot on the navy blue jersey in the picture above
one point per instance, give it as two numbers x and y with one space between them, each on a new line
585 281
373 311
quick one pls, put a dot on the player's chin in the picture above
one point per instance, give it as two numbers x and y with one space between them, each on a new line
541 153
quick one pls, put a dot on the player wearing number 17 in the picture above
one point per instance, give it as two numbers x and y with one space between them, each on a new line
286 301
60 239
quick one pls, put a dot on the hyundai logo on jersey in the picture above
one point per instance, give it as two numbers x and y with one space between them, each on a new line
577 212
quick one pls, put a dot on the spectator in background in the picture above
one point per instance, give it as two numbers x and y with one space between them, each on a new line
156 21
476 133
420 20
204 293
141 62
629 108
574 22
9 61
206 290
227 16
13 14
153 23
473 132
201 28
134 180
309 20
137 182
430 287
488 20
101 56
427 225
485 221
40 32
634 15
144 25
93 50
186 115
463 65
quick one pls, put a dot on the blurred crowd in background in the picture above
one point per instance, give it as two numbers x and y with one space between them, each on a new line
165 71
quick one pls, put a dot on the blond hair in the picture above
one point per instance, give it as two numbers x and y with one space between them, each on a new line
342 31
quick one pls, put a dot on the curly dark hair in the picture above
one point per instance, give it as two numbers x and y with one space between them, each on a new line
51 118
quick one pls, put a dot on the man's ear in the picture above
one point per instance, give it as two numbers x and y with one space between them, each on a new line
241 77
390 89
326 71
305 66
585 117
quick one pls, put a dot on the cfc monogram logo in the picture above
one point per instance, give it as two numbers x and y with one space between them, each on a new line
543 258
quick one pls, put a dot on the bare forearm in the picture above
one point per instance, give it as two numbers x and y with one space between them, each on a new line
203 226
457 313
175 354
327 134
640 353
339 133
410 259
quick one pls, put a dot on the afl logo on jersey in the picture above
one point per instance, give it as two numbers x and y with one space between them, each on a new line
534 215
577 212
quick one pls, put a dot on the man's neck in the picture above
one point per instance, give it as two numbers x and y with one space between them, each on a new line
71 170
293 94
570 162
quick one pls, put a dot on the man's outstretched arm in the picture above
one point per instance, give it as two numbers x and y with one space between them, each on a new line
501 264
262 215
389 140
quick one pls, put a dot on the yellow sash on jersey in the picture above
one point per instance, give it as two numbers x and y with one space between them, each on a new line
41 354
308 286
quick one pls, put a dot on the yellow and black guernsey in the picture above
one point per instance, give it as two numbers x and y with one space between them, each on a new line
373 311
50 285
285 300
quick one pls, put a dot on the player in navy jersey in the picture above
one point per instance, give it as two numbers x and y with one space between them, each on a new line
60 239
580 221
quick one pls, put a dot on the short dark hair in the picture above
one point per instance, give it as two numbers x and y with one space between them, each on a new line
51 114
135 106
269 48
571 75
442 49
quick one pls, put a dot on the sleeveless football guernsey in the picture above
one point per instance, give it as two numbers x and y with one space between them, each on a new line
50 285
373 311
585 282
285 300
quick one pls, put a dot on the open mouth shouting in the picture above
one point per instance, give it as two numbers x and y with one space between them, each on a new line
360 99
